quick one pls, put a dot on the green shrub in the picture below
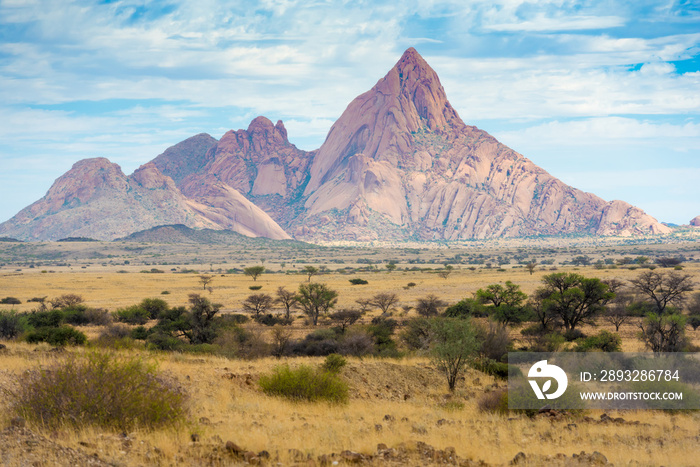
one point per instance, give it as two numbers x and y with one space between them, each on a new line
59 336
132 315
10 301
255 287
80 315
154 306
496 369
304 384
605 341
162 341
139 333
12 324
98 389
358 281
334 363
40 319
464 309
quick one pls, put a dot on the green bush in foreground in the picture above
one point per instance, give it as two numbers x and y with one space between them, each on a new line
98 389
304 384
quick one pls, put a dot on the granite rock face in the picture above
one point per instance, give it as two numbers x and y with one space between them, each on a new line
95 199
400 163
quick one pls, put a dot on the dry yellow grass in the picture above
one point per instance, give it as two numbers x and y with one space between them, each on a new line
227 405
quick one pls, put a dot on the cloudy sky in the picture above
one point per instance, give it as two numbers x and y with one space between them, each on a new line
603 94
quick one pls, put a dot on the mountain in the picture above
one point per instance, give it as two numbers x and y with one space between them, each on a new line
695 222
399 164
95 199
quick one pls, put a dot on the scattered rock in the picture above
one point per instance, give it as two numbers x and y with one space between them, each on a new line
233 448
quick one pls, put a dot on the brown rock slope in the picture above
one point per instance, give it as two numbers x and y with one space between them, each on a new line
95 199
695 222
400 163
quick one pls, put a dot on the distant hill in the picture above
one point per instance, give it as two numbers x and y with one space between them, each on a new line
10 240
179 233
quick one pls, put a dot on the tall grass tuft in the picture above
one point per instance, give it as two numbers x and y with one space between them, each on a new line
100 389
305 384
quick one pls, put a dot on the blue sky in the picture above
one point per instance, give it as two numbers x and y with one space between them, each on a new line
603 94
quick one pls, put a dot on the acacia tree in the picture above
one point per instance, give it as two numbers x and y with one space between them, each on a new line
663 289
573 298
316 298
430 305
254 271
507 302
310 271
257 304
384 301
617 311
288 299
346 318
453 344
205 280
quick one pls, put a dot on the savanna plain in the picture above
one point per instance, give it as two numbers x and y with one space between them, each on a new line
398 409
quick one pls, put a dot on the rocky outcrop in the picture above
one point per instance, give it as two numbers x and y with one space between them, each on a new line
95 199
186 157
259 163
695 222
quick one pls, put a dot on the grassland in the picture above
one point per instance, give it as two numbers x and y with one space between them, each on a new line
398 402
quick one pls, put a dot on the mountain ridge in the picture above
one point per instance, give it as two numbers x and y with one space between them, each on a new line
398 164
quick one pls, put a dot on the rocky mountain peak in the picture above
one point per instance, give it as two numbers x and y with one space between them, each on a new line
380 123
695 222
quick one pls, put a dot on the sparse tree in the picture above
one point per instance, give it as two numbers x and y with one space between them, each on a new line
531 266
254 271
617 311
453 345
310 271
205 280
498 295
365 304
66 301
429 305
384 301
664 333
663 289
391 267
445 273
288 299
280 340
573 298
507 302
668 261
201 314
315 299
257 304
345 318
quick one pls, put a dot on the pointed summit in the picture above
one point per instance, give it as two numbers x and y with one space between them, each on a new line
379 123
